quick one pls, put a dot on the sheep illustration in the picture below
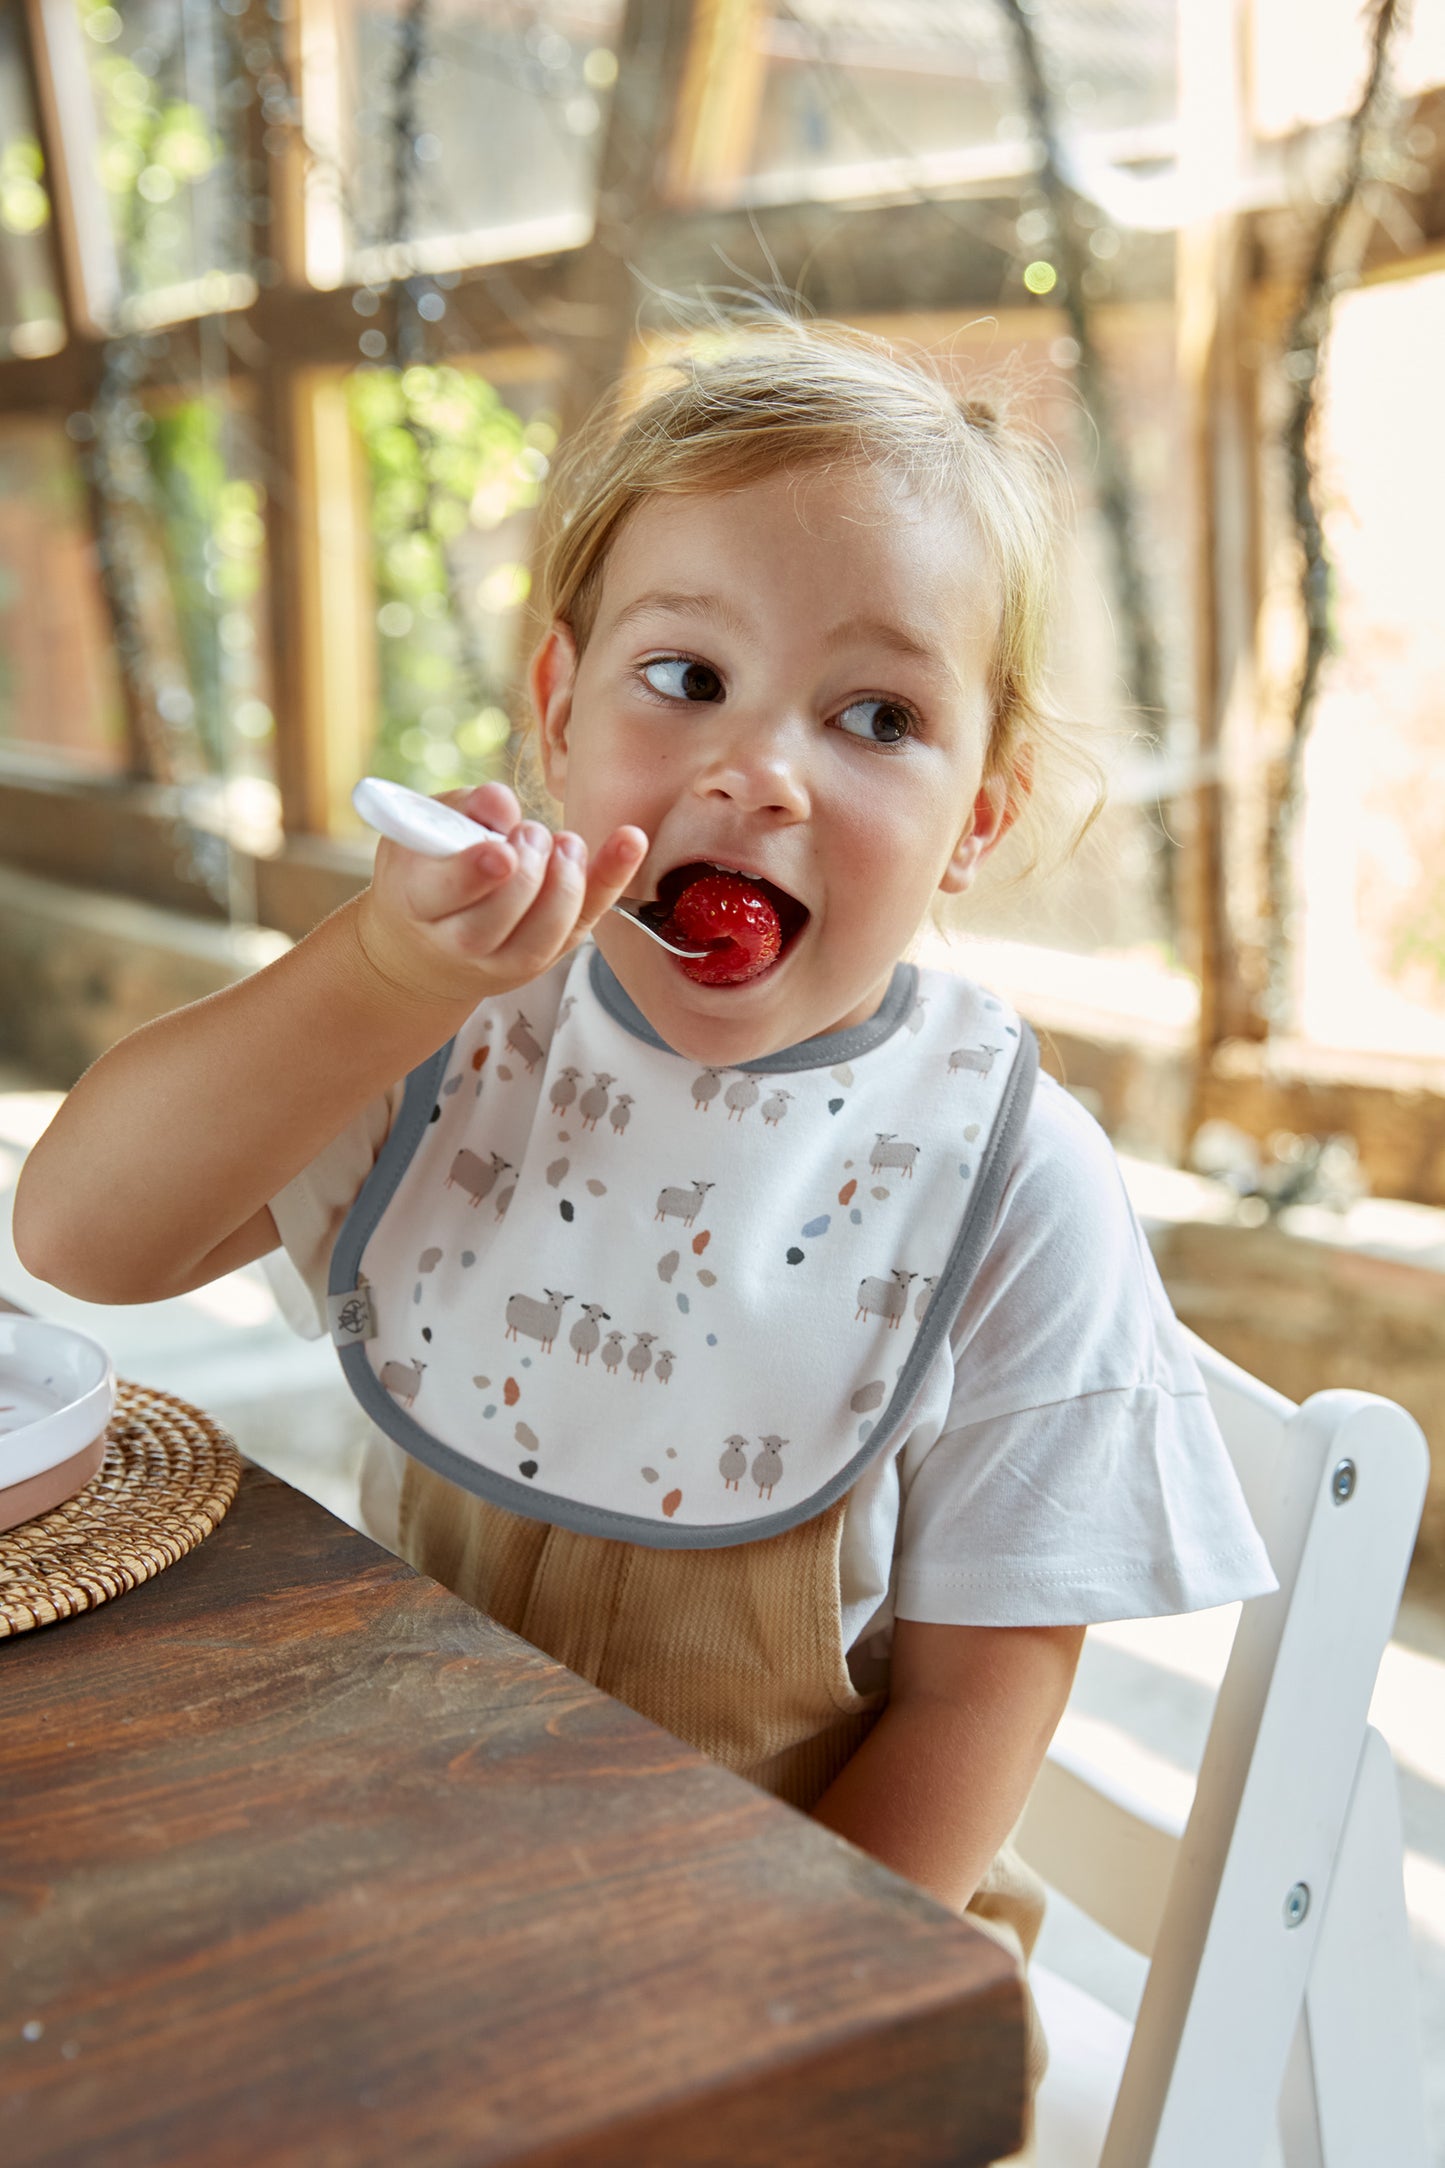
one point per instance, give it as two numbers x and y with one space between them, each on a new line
775 1106
564 1091
888 1152
593 1103
705 1089
977 1059
885 1298
621 1113
521 1042
683 1204
586 1333
768 1466
925 1296
469 1171
538 1320
662 1368
639 1358
734 1463
403 1379
740 1096
612 1351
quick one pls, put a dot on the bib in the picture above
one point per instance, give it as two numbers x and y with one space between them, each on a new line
610 1288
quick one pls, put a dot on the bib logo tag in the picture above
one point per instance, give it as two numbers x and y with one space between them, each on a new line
351 1316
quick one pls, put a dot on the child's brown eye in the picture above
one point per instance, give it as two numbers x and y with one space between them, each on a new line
688 680
881 722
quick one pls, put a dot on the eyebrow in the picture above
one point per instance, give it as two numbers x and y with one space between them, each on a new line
877 632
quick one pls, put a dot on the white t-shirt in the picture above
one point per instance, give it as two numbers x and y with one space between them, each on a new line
1080 1475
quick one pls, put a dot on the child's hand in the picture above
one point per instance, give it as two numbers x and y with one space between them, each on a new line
450 932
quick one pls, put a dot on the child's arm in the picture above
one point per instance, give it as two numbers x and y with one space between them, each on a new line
155 1174
942 1777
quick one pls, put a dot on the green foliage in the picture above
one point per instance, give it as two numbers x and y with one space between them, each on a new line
154 148
213 540
446 458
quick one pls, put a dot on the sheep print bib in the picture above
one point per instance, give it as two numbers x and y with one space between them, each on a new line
604 1286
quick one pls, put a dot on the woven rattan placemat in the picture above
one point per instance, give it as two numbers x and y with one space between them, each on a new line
168 1476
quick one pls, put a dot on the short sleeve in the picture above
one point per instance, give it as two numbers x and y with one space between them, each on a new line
310 1210
1080 1474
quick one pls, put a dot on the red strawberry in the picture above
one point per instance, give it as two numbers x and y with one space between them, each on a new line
732 911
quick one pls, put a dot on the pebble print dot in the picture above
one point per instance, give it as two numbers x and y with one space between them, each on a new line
435 1115
526 1467
426 1332
488 1413
970 1133
416 1292
700 1242
856 1216
865 1432
795 1255
452 1084
671 1502
672 1452
483 1382
567 1209
818 1226
564 1136
868 1397
712 1339
966 1172
844 1075
596 1188
683 1304
504 1072
429 1260
666 1266
556 1171
706 1278
848 1192
526 1362
880 1193
469 1257
834 1106
649 1475
511 1392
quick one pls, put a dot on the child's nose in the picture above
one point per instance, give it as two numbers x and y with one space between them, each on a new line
761 767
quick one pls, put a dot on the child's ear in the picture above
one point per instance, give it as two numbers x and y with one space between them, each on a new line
995 809
550 678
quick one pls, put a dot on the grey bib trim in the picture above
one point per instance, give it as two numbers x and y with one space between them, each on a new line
819 1053
964 1257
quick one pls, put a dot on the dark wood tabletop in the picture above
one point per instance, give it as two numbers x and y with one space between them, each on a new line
302 1860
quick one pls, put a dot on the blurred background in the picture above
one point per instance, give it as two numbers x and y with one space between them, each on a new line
298 299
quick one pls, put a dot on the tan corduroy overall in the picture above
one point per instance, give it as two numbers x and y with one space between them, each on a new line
738 1651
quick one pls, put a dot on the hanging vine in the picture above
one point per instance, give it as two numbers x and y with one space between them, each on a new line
1326 276
1143 661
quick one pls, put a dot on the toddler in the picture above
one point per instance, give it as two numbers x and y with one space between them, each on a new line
757 1333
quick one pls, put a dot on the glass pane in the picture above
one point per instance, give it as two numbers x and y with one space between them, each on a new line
856 95
1371 858
30 313
455 464
1113 899
59 692
507 108
1300 80
163 148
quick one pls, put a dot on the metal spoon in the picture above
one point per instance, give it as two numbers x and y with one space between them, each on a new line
440 831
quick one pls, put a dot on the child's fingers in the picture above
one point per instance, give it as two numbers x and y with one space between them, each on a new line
613 865
492 804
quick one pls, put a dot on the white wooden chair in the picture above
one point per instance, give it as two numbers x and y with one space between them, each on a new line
1279 2007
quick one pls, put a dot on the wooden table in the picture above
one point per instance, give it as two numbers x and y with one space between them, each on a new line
303 1861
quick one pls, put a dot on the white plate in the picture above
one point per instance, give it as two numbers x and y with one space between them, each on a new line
57 1393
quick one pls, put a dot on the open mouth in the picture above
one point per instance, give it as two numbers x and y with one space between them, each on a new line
744 922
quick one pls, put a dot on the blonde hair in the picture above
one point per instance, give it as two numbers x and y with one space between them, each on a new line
760 391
